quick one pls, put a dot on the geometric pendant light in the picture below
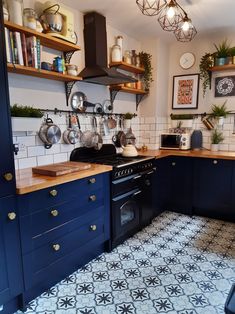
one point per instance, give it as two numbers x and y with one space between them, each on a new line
170 16
186 31
150 7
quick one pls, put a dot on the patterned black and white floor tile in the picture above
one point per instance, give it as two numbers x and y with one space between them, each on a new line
177 265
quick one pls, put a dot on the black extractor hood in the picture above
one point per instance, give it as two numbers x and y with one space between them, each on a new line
96 70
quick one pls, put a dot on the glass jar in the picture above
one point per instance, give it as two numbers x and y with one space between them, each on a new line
127 57
30 18
138 61
5 11
72 69
133 57
116 53
120 43
15 8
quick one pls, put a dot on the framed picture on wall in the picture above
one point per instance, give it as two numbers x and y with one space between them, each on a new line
185 91
225 86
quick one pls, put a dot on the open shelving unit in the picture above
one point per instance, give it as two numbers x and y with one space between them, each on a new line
50 42
127 67
221 68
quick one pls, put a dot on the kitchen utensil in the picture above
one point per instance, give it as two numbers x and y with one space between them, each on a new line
79 102
129 151
119 139
207 122
79 127
130 137
61 168
98 139
107 105
196 140
51 19
98 108
88 138
105 126
49 133
70 136
111 122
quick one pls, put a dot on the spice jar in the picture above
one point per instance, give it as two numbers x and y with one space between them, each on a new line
116 53
30 18
120 43
127 57
15 8
72 69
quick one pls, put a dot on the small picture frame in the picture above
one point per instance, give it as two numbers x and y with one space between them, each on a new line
185 91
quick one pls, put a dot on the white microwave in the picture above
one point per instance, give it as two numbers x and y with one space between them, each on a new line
175 141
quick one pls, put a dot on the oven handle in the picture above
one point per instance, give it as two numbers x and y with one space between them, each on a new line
137 177
128 194
136 193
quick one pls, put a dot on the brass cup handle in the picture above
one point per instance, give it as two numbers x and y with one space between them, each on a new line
215 162
54 212
93 227
92 198
173 163
56 247
11 216
8 176
53 193
92 180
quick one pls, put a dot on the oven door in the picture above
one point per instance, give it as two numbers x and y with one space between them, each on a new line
125 215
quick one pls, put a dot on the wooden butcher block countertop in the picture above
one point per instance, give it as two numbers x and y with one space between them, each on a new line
27 182
189 153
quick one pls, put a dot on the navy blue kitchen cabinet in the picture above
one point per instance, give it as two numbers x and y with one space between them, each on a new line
214 188
173 184
62 228
11 283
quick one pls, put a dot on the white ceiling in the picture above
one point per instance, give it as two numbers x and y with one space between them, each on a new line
207 16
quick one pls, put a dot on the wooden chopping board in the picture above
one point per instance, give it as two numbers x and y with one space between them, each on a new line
61 168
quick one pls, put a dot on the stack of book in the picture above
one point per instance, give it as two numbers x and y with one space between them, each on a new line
22 50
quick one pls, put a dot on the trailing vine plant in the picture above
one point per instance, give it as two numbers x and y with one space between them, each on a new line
145 61
207 61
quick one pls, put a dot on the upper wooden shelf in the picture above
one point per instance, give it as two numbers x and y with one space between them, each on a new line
46 40
50 75
223 67
127 67
129 90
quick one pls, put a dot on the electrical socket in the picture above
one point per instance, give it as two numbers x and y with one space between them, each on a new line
22 147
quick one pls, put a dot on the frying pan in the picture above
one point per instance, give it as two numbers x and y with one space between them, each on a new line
70 136
111 122
79 102
119 139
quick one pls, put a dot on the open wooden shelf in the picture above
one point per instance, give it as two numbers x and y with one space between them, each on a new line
50 75
127 67
128 90
45 40
225 67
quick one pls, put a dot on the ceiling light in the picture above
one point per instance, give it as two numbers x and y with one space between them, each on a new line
170 16
151 7
186 31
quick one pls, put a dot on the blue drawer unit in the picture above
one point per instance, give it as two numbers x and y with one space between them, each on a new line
62 228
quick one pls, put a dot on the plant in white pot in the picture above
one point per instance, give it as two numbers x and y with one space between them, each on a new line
216 138
219 113
127 119
25 118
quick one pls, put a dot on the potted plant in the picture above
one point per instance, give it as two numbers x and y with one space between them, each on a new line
127 119
222 52
220 112
216 138
145 62
232 54
182 120
207 61
25 118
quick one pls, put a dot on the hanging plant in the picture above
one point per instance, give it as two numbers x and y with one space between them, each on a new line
207 61
145 61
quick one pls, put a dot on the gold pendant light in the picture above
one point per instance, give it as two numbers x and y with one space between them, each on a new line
150 7
186 31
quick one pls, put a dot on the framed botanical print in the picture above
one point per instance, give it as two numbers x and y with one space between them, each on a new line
185 91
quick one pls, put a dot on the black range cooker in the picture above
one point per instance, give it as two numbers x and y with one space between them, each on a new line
131 189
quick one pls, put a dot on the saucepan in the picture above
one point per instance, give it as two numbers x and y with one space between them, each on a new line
49 133
79 102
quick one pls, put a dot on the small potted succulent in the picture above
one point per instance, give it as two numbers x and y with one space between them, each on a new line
216 138
127 119
25 118
222 52
219 113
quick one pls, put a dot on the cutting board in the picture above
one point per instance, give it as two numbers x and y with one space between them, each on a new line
62 168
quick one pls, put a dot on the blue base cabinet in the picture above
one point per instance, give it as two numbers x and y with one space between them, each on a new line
214 181
62 228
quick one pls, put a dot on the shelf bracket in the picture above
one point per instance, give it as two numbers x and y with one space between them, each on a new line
68 89
139 98
67 56
113 94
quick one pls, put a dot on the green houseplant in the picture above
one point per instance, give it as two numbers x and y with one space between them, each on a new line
206 62
232 54
145 61
127 119
219 112
25 118
222 52
216 138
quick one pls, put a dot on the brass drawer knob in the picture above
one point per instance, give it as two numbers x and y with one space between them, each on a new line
92 198
8 176
56 247
93 227
173 163
215 162
54 212
53 193
12 216
92 180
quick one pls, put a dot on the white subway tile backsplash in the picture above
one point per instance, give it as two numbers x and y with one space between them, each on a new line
60 157
55 149
27 162
26 140
64 148
45 160
36 151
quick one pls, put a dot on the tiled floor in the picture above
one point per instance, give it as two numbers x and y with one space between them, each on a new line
178 264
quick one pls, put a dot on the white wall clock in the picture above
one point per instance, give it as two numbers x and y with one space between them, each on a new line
187 60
